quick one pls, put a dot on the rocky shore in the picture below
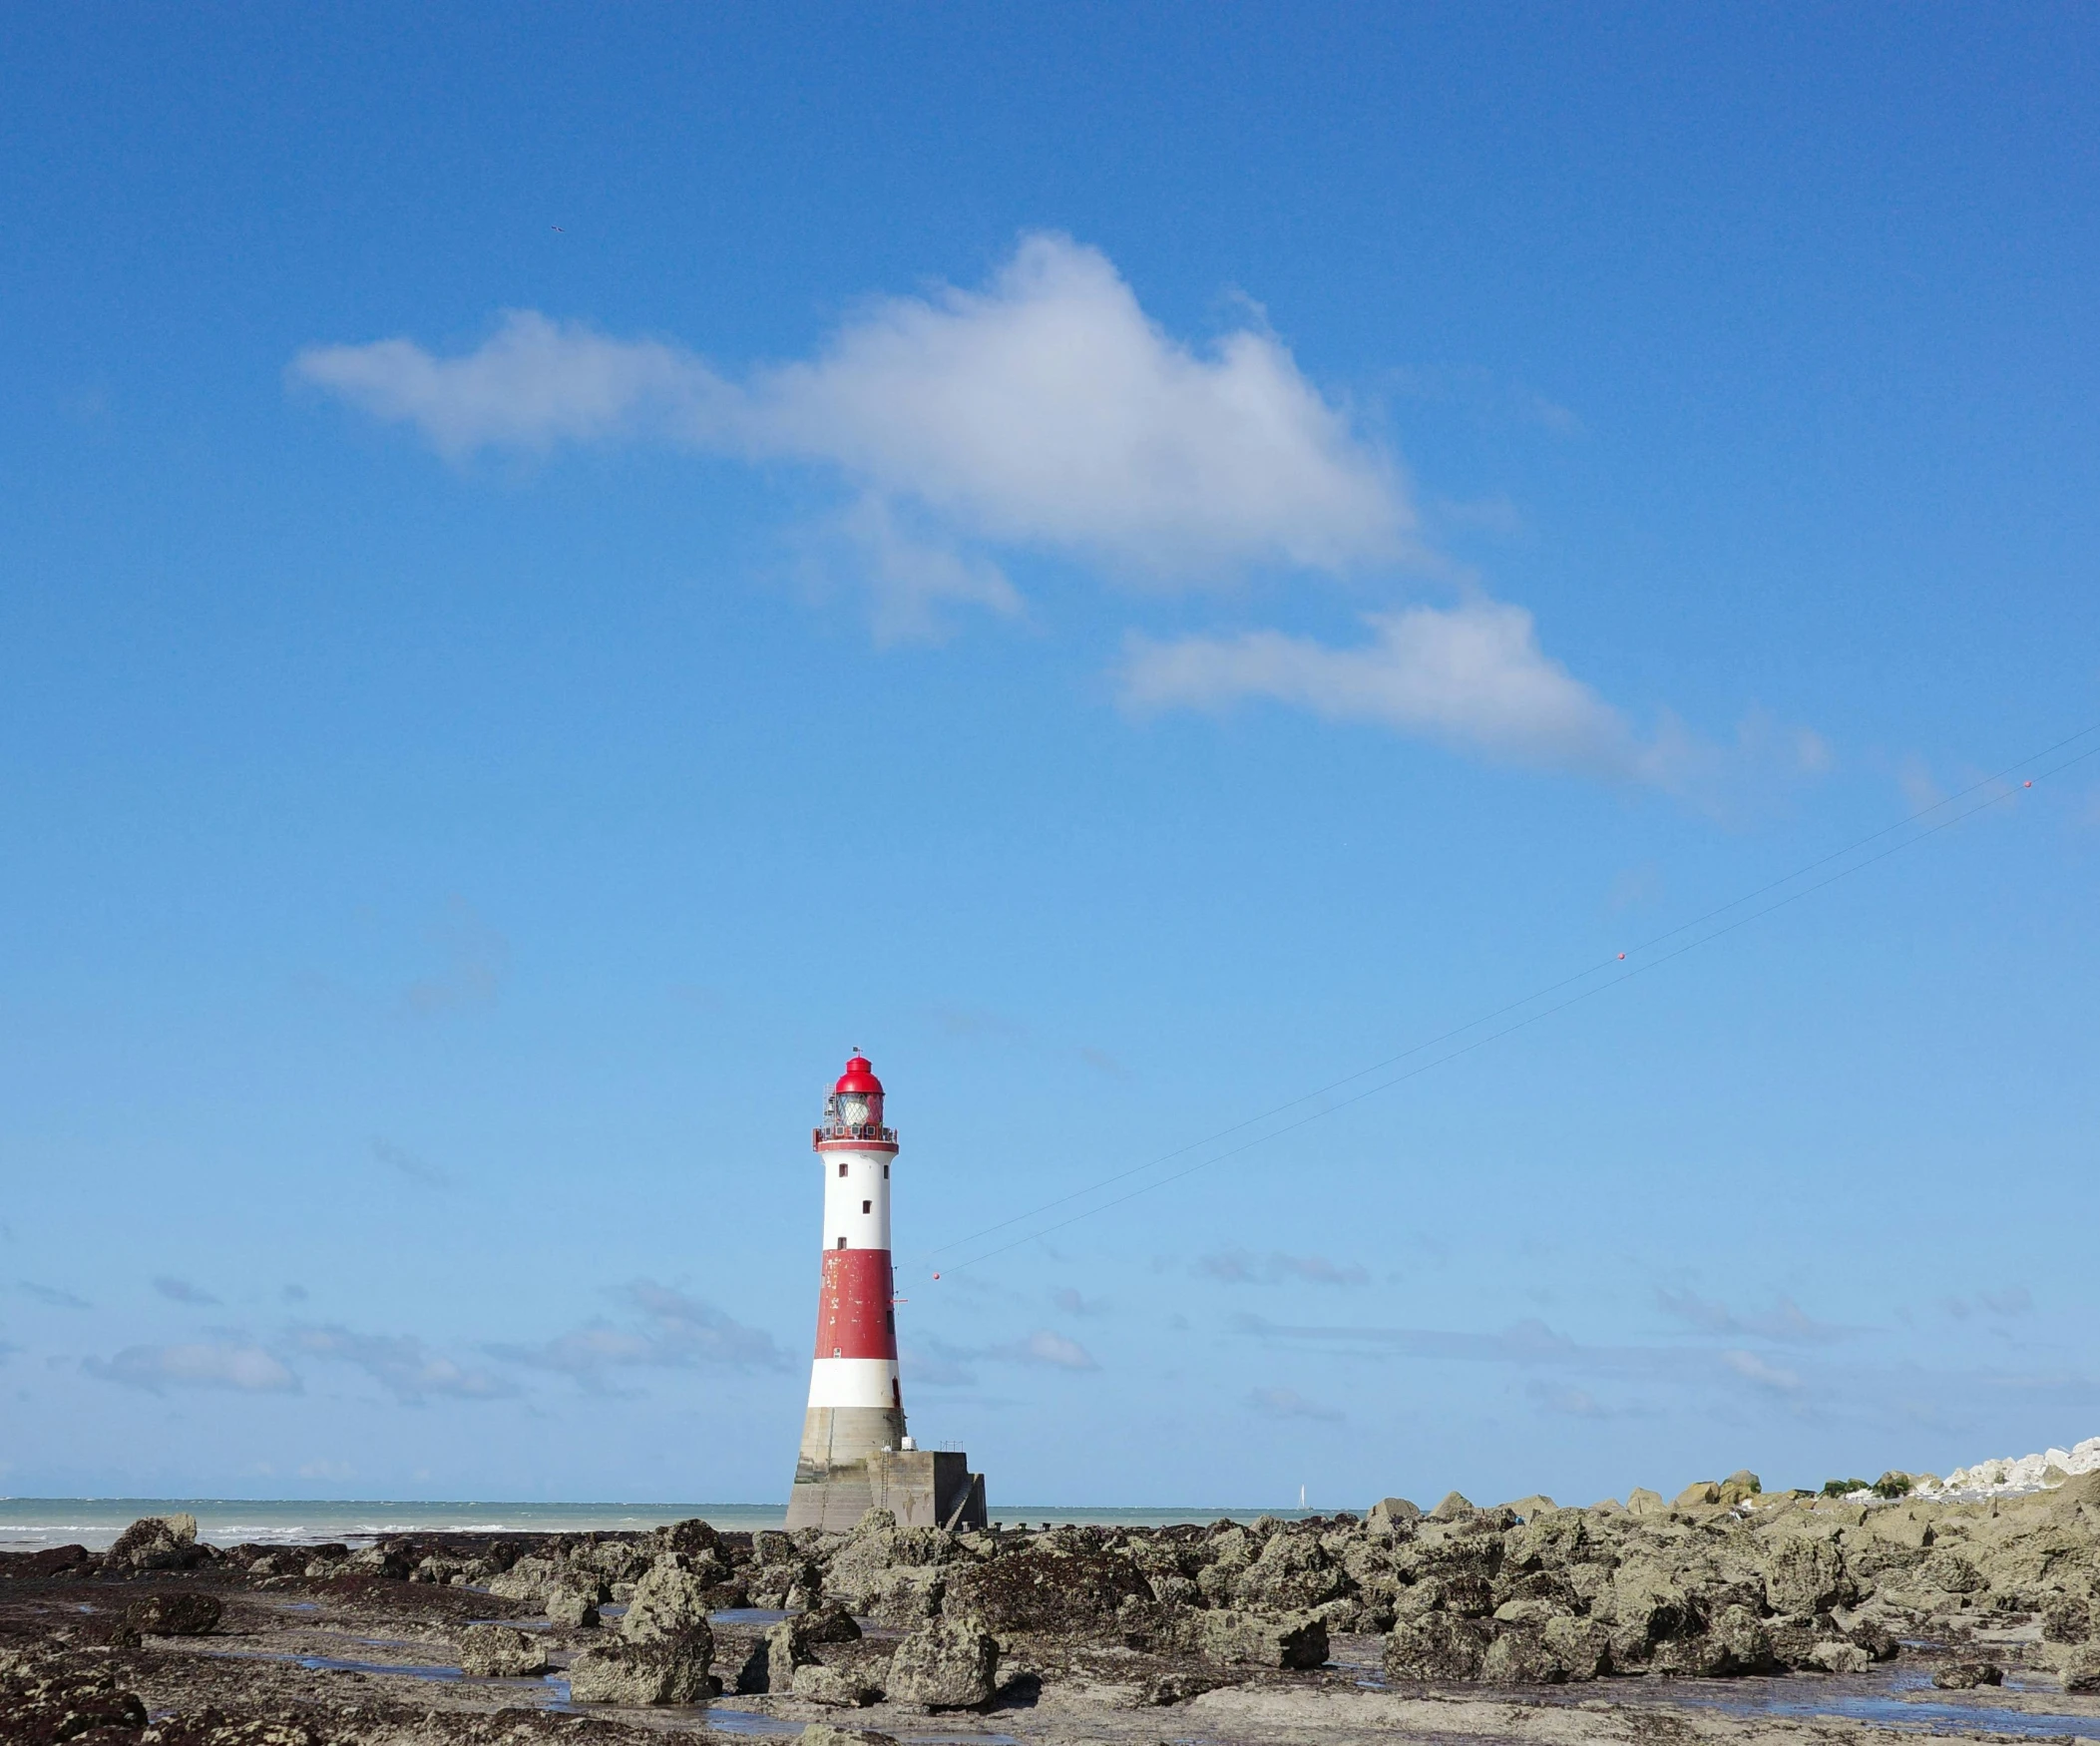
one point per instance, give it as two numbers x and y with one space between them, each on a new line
1521 1620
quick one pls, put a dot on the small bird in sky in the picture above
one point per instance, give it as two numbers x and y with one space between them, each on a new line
557 228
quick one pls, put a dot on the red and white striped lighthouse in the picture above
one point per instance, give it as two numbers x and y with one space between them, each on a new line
856 1403
855 1452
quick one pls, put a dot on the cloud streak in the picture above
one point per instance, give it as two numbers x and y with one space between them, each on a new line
1242 1267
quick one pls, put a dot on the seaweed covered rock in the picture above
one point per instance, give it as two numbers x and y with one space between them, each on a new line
53 1698
659 1671
157 1543
1256 1640
1038 1588
835 1687
178 1613
496 1651
1436 1648
670 1600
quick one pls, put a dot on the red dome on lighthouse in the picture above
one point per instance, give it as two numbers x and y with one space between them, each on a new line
859 1076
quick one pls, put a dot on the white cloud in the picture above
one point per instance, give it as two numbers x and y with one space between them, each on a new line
1471 675
1047 414
1046 411
214 1364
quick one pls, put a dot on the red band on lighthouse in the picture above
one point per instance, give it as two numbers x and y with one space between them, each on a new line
854 1317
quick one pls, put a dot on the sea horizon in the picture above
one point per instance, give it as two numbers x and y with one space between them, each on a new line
31 1523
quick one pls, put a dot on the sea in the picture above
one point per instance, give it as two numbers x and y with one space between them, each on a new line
28 1524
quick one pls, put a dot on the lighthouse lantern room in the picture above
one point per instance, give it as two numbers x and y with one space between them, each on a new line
856 1454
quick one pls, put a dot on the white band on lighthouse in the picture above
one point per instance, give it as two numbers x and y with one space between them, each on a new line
853 1382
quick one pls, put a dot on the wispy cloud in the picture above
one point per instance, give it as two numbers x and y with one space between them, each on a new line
1786 1321
2014 1300
407 1163
669 1330
1288 1403
1073 1303
228 1364
182 1291
52 1296
1752 1368
1243 1267
402 1364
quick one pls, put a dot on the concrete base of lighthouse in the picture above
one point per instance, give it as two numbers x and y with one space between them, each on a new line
922 1488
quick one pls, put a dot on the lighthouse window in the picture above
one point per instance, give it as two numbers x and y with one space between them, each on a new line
842 1166
867 1206
842 1242
886 1173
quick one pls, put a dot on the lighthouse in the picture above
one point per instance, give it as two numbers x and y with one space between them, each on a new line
856 1454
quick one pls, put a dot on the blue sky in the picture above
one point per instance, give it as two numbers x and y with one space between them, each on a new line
562 569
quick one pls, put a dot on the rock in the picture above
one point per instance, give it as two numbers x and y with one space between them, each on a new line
573 1607
657 1671
1294 1574
1642 1502
156 1542
1740 1485
905 1595
1436 1648
1038 1589
1583 1646
669 1601
1462 1595
1967 1675
1805 1574
1390 1514
818 1734
770 1546
1520 1656
947 1664
48 1700
1739 1643
1950 1572
1253 1639
179 1614
839 1687
2067 1620
1457 1506
1876 1638
2081 1668
209 1727
773 1662
1838 1657
496 1651
1697 1495
1173 1688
